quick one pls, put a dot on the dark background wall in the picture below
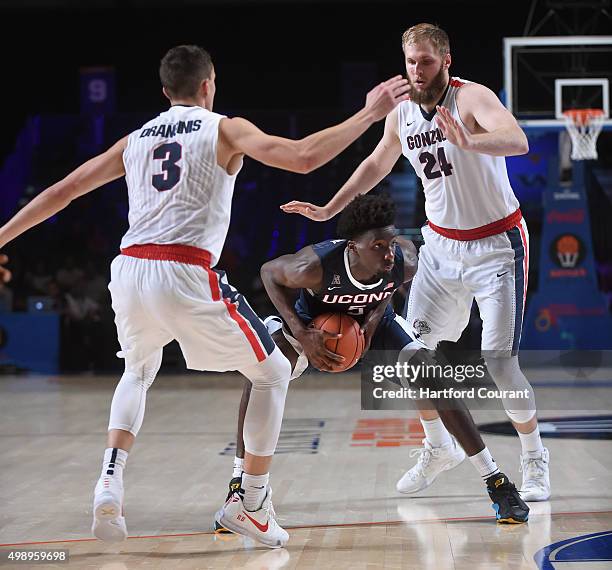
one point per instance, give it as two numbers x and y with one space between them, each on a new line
268 55
291 66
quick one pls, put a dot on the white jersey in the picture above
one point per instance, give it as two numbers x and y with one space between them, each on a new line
178 194
463 189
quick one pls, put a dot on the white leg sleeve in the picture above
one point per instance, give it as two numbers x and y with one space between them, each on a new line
507 375
262 423
128 406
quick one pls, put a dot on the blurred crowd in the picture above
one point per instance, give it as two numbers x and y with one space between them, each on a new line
63 264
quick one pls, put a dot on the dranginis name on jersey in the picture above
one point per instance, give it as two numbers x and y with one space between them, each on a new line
425 139
172 129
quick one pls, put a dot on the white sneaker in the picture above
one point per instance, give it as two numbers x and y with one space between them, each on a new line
108 520
536 478
259 525
432 461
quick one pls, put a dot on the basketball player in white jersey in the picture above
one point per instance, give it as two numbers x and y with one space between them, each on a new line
180 170
456 133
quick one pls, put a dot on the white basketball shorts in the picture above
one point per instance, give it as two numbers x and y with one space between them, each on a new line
452 273
159 300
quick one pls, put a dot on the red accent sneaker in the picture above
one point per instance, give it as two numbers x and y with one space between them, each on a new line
260 525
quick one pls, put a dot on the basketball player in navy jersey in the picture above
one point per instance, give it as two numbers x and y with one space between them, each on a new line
358 275
180 169
455 134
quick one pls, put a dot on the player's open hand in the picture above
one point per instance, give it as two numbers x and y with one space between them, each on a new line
454 132
313 342
316 213
5 274
385 96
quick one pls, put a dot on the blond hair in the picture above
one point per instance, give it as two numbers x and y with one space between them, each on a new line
430 33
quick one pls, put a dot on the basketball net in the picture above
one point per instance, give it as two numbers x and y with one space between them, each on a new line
584 126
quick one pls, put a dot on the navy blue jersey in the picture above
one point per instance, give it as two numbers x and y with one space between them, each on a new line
340 292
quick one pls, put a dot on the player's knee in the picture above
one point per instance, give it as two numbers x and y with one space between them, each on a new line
273 372
520 416
501 369
506 372
136 379
143 374
519 398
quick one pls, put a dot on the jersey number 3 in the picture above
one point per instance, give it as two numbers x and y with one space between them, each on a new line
169 154
429 160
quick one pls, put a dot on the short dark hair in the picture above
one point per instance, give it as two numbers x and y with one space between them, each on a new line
183 69
366 212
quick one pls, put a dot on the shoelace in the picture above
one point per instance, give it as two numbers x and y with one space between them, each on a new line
509 491
268 507
533 467
425 456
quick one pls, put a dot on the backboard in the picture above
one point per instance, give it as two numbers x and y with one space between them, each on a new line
544 76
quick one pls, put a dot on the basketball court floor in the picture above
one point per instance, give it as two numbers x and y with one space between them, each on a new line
333 479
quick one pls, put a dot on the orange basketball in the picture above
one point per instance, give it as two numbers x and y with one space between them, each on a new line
351 344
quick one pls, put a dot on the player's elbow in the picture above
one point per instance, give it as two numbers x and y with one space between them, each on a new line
306 156
65 191
264 272
305 162
521 144
267 271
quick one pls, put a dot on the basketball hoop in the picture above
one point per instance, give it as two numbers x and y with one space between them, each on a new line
584 126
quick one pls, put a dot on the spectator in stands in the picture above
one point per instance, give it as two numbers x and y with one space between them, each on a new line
58 298
96 283
38 279
69 274
6 298
82 328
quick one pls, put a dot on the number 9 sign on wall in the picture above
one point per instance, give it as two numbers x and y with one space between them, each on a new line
97 90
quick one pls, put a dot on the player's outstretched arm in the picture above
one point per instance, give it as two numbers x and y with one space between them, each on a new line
502 135
281 277
92 174
367 175
304 155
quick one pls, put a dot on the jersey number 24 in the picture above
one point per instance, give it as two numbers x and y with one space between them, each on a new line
429 160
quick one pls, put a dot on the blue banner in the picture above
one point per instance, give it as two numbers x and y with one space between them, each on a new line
97 90
30 341
568 311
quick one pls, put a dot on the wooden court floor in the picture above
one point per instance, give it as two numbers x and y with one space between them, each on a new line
333 480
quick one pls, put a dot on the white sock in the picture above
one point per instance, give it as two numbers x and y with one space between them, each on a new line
435 432
484 463
255 488
114 462
531 443
238 463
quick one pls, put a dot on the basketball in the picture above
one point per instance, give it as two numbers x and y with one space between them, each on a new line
351 344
